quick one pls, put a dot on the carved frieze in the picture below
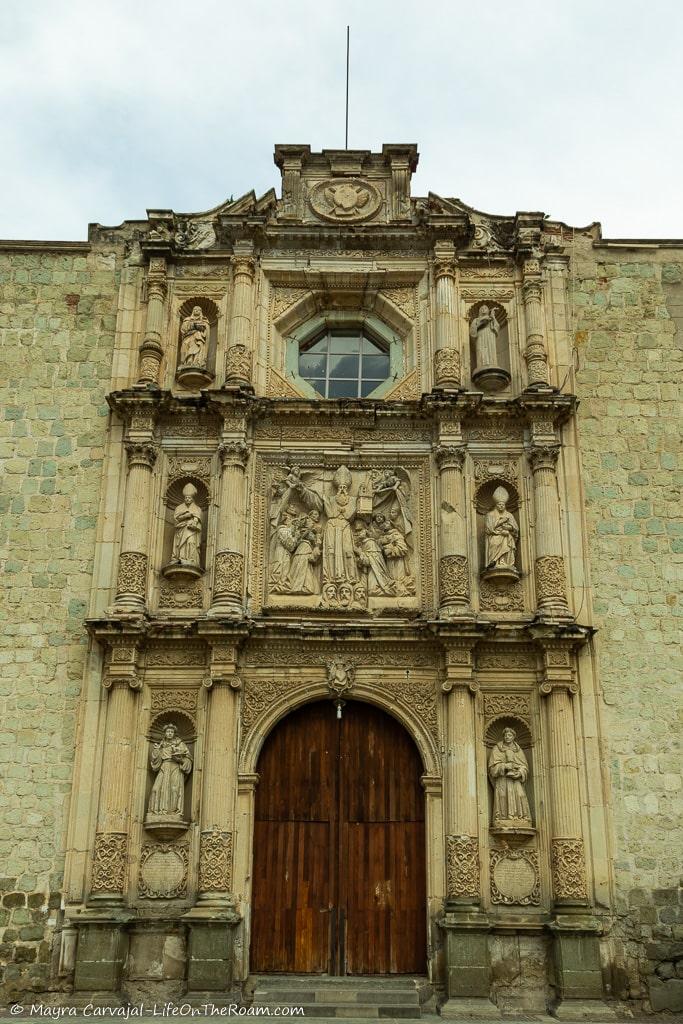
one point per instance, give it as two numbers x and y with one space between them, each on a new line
182 467
283 298
292 654
109 861
507 656
404 298
187 653
462 867
496 596
191 427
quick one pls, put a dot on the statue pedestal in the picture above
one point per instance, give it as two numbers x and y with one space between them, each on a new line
194 377
491 378
500 574
164 826
181 572
511 827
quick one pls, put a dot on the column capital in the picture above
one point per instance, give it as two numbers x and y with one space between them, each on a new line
543 456
243 265
445 264
233 453
450 456
141 453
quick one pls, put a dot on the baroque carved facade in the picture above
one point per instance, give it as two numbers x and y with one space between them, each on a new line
415 545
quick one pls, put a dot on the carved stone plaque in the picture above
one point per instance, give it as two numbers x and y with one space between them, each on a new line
350 200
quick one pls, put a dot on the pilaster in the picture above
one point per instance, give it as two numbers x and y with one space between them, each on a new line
228 579
151 349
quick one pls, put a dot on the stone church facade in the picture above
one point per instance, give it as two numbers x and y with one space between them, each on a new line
343 467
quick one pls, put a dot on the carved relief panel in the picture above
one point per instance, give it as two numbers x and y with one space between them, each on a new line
344 538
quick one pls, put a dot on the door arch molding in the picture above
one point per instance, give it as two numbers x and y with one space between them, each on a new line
290 700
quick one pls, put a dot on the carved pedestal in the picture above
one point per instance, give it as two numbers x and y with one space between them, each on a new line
210 951
100 954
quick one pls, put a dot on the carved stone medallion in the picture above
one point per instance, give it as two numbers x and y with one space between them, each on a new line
515 877
163 871
349 200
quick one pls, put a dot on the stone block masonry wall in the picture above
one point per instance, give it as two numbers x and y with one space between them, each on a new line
57 319
629 332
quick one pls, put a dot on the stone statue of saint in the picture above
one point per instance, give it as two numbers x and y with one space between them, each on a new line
194 333
396 553
508 771
172 761
371 558
339 562
484 332
188 529
302 577
502 533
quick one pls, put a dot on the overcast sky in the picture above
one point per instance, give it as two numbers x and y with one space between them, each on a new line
110 107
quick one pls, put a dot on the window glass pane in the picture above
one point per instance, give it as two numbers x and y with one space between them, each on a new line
367 386
343 389
317 385
344 343
319 346
312 365
371 347
375 366
343 366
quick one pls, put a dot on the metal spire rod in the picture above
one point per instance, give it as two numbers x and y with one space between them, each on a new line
346 138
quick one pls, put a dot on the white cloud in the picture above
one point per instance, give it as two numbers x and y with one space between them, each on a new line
112 106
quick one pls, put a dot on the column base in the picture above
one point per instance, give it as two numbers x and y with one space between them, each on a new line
226 608
100 955
578 971
584 1009
468 965
210 961
470 1009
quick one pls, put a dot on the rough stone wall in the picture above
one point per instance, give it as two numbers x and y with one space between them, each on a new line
629 318
57 319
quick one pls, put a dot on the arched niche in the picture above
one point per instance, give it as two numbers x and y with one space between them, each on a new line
488 331
497 502
494 738
196 344
185 523
170 762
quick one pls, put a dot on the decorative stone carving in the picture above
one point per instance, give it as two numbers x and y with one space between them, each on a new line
350 200
196 467
163 871
508 771
170 758
109 861
515 877
501 537
337 547
454 577
194 350
447 368
176 654
462 867
501 595
404 298
229 573
173 594
484 330
187 518
513 657
233 453
215 861
498 469
132 575
284 298
340 676
551 582
406 390
195 234
498 705
174 700
238 365
568 863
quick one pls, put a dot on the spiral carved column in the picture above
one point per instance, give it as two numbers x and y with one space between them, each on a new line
551 583
151 350
447 348
454 573
238 361
131 586
228 578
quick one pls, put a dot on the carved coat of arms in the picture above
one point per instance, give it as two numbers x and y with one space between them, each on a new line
347 200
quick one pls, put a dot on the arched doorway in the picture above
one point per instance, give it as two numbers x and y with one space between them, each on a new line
338 883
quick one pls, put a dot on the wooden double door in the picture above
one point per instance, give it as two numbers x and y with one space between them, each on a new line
338 883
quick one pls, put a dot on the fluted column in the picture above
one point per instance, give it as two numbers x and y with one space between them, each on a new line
551 583
228 578
463 871
219 787
110 852
454 574
447 347
238 361
131 585
151 350
535 352
568 858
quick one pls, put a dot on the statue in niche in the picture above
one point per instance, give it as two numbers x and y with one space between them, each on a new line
508 772
194 345
187 537
502 534
172 761
484 330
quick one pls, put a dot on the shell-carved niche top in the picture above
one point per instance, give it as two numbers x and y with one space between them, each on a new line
346 200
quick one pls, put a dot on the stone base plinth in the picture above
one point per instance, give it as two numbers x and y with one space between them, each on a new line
470 1009
468 964
491 378
194 377
165 828
100 955
210 966
181 572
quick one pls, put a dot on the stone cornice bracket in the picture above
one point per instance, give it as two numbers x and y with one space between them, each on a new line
121 664
222 666
151 349
459 663
545 412
233 453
